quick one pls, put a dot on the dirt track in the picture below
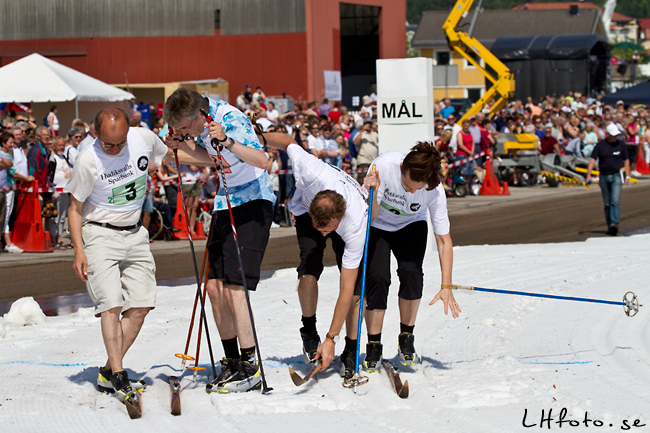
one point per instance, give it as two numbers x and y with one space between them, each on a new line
529 215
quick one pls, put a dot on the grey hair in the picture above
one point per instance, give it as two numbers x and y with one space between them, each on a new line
182 105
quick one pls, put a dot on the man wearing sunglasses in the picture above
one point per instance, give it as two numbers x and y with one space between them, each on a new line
111 247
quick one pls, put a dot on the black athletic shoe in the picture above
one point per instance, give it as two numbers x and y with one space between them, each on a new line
122 385
310 344
613 230
236 376
373 356
348 364
104 382
407 354
229 368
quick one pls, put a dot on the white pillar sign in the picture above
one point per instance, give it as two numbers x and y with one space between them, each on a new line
404 103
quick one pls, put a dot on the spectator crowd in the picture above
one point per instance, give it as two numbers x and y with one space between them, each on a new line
45 154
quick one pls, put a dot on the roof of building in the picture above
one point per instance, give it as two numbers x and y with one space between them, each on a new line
565 5
644 23
494 23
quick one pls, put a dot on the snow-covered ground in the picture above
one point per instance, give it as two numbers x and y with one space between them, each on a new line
507 362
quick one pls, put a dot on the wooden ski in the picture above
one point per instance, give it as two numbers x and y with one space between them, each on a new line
401 389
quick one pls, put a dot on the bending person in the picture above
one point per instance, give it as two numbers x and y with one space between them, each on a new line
328 203
406 187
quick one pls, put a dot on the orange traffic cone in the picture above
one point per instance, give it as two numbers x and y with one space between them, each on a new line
490 182
28 232
180 222
641 165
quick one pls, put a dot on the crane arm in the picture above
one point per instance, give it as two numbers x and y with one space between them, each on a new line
503 83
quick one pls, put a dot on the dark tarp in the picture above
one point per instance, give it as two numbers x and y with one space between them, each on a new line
544 65
639 94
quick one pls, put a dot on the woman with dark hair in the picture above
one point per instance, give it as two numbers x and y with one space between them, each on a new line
406 186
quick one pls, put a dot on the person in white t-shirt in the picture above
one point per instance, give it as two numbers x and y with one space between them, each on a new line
407 187
112 253
328 203
61 175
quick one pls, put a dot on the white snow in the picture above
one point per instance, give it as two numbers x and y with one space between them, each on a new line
25 312
508 361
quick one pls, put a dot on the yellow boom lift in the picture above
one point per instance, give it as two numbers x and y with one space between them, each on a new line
503 82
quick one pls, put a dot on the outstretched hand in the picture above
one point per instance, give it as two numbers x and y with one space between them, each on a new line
449 302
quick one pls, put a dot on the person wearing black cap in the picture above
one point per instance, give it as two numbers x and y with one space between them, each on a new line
612 155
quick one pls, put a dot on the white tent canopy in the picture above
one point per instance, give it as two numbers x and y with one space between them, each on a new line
38 79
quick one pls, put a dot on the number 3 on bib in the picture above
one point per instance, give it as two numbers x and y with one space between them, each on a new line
127 193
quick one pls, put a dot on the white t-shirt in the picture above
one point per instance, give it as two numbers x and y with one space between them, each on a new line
62 172
85 175
400 208
20 161
313 176
453 142
190 177
71 154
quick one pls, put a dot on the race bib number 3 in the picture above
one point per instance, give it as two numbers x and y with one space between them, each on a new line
129 192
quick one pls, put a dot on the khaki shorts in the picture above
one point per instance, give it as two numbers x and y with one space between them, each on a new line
121 269
191 189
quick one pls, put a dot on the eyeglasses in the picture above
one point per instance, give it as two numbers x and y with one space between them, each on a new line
111 146
78 137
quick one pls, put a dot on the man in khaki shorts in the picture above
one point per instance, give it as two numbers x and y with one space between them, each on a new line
111 247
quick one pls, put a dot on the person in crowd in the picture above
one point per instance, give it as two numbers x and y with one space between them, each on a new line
367 143
611 155
191 178
53 121
8 176
112 253
60 173
448 109
325 108
366 111
251 197
548 143
75 136
407 187
329 148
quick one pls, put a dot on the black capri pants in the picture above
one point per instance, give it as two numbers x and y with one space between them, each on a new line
409 246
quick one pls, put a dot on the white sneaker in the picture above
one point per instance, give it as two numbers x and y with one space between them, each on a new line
13 249
275 226
636 174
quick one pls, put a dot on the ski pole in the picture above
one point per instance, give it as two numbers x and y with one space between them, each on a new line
360 380
204 274
196 270
630 301
217 147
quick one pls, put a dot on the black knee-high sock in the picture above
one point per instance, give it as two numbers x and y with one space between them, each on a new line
406 328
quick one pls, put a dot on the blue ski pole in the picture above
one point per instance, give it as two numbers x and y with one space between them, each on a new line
630 302
358 380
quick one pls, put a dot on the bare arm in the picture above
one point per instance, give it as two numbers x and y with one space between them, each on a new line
592 163
343 303
446 256
80 264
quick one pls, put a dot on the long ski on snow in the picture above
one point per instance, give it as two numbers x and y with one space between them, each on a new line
297 380
401 389
175 387
133 403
